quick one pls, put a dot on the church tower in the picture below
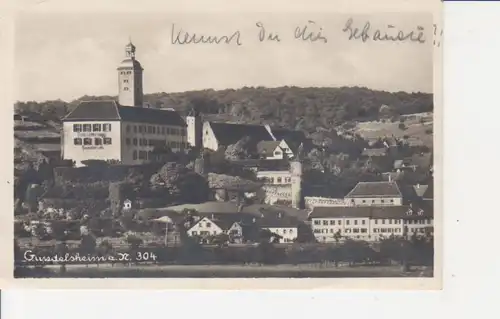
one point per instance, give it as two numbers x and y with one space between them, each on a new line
194 128
130 79
296 172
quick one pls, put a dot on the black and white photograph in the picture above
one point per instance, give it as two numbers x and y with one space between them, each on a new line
224 145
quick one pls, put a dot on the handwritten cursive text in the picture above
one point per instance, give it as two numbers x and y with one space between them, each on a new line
392 34
302 33
182 37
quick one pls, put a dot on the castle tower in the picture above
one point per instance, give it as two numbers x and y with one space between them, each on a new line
296 172
130 79
194 129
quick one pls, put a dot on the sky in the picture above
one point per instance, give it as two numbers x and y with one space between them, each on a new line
68 55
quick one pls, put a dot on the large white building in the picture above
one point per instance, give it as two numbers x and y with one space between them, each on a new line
123 131
369 223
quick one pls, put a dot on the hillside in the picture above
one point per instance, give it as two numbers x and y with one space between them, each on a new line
323 113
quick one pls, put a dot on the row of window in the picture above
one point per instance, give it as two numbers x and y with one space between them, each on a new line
373 201
203 233
279 180
96 140
150 129
376 222
146 142
106 127
365 230
284 230
125 72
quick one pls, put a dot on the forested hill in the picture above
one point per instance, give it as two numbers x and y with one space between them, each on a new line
303 108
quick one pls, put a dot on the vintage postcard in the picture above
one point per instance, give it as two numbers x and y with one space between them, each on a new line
266 141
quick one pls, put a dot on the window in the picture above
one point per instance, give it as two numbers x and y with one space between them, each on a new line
77 141
364 230
383 221
150 142
96 128
390 221
278 180
154 129
332 230
142 155
355 230
347 222
140 141
355 222
352 201
325 223
125 89
150 155
392 200
87 127
373 201
106 127
317 222
363 222
134 155
332 222
134 141
168 131
135 128
277 153
125 81
107 141
140 128
194 233
97 141
87 141
144 142
127 129
376 221
127 141
284 231
77 127
150 129
163 130
382 201
208 225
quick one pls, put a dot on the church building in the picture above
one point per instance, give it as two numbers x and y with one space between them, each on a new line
123 131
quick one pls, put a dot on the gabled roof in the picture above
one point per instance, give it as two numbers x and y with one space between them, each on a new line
110 110
375 189
267 147
230 133
391 212
420 190
292 138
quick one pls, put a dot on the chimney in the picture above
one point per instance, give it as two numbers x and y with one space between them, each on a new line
213 216
279 215
390 178
418 185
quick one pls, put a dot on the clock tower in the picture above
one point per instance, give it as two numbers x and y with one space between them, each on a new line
130 79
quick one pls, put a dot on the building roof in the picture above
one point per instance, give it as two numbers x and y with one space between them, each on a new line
129 63
110 110
391 212
420 189
267 147
215 207
374 152
429 192
230 133
375 189
277 220
292 138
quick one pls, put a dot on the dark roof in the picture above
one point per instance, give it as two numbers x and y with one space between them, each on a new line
292 138
429 192
375 189
393 212
110 110
277 219
267 147
230 133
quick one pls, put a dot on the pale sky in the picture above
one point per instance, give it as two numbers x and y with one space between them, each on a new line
65 56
